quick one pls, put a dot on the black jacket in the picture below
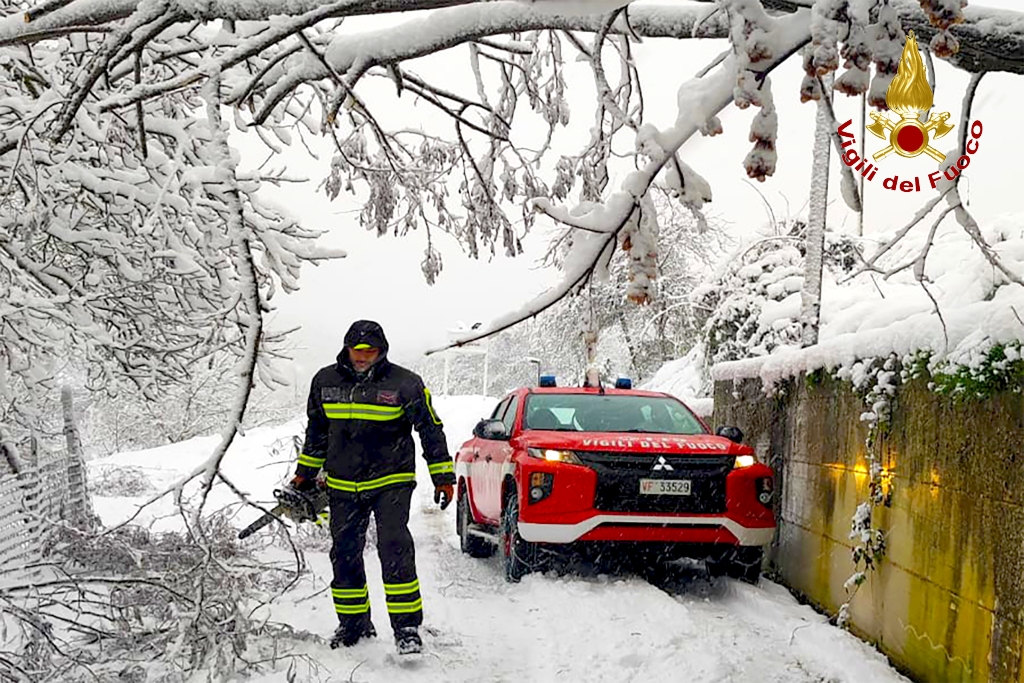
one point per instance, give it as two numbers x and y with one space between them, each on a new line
360 428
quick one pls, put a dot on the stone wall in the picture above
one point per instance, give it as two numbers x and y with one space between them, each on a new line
947 603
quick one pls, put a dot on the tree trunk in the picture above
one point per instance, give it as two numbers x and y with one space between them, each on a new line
591 373
810 295
76 508
633 361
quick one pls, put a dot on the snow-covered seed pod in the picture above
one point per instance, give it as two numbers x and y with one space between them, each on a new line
944 44
828 21
750 30
810 87
887 37
760 161
711 127
746 91
853 82
856 53
642 245
944 13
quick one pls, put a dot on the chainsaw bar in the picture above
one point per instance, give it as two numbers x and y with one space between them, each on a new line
266 519
294 505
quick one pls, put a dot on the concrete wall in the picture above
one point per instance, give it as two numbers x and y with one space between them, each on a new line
947 603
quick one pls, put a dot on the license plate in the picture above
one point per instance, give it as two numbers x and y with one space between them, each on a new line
665 487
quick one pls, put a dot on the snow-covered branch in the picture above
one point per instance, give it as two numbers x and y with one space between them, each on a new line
699 100
250 314
113 245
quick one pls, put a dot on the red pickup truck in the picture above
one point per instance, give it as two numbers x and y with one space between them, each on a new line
557 467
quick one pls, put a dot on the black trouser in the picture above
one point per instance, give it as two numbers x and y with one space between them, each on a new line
350 515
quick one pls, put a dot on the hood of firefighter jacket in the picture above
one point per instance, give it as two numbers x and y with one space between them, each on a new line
364 332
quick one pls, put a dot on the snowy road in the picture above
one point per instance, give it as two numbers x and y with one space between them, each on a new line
547 628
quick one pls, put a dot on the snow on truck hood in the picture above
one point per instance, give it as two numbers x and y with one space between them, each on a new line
618 442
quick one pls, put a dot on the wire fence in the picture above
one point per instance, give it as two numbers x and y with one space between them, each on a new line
49 489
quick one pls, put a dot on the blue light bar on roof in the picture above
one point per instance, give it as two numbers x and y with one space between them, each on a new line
546 381
623 383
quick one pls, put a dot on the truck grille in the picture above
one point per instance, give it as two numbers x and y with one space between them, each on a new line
619 475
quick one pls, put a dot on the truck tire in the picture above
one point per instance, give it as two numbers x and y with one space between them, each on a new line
519 557
471 545
743 563
746 564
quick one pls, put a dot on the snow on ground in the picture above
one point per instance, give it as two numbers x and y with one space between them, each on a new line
583 626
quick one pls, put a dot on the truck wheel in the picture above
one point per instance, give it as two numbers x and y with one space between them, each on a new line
746 564
743 563
474 546
519 557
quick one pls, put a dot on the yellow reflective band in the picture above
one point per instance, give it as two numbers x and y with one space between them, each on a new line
441 467
341 485
352 609
405 607
385 481
360 347
356 486
362 411
362 407
344 593
430 406
401 588
371 417
310 461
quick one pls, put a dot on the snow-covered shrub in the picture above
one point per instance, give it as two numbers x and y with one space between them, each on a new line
180 604
119 480
876 381
751 307
992 368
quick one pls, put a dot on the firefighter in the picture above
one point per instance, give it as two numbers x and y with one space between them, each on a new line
361 413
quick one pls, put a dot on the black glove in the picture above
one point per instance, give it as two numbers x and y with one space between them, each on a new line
443 494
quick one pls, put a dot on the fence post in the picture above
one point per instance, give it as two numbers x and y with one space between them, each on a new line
78 508
10 453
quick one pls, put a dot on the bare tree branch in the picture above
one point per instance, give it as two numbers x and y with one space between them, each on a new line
716 92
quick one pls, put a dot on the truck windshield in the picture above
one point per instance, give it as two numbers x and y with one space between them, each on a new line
610 413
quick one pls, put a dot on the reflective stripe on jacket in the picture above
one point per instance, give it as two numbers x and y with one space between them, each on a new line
360 428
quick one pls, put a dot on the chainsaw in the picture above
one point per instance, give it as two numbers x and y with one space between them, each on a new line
295 505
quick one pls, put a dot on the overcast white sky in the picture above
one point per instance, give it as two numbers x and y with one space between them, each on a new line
381 278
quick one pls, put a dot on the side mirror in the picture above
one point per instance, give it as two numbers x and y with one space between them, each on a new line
732 433
492 430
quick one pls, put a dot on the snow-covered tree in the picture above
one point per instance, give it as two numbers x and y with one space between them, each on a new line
634 340
289 73
133 249
751 306
134 246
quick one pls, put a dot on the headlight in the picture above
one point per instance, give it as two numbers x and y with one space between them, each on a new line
553 455
744 461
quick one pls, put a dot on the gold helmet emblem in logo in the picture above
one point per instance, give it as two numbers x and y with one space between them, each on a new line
908 95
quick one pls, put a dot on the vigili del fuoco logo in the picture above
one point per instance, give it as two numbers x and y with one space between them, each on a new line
909 95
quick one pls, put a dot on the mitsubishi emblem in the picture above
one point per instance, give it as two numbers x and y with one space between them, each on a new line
661 464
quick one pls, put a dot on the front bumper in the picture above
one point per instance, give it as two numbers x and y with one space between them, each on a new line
589 503
630 527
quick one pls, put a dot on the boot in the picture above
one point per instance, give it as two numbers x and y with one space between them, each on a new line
348 634
408 641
